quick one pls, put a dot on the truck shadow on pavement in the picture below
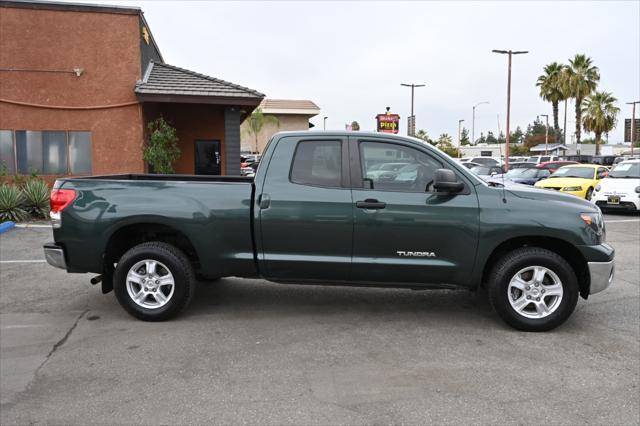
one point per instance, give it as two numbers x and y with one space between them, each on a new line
233 296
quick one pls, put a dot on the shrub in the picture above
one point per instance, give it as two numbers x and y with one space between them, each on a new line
162 150
11 201
36 198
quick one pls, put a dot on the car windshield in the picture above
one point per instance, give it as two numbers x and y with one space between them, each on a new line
575 172
516 172
528 173
481 170
626 170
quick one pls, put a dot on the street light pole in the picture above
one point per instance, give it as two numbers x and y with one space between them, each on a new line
412 118
546 134
324 124
633 124
510 53
473 122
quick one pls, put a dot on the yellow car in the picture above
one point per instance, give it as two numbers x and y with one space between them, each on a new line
575 179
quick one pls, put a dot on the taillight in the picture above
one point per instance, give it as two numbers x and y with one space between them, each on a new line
59 200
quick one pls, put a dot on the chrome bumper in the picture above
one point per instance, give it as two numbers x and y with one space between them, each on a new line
601 275
54 256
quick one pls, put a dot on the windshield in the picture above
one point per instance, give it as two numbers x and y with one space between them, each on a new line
516 172
530 173
575 172
626 170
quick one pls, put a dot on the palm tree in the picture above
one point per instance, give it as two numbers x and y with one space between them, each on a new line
256 122
600 115
551 85
583 78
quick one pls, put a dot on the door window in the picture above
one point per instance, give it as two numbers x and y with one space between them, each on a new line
317 163
415 175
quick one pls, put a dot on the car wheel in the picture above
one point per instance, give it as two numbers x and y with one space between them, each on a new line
589 193
154 281
533 289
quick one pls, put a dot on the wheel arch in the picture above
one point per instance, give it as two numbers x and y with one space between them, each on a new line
559 246
131 234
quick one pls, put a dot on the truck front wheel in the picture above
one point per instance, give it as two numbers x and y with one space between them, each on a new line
533 289
154 281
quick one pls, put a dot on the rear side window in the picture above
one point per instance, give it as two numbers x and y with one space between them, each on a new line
317 163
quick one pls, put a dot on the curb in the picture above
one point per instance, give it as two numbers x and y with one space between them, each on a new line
6 226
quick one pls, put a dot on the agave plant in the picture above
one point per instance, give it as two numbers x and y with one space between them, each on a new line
11 200
36 198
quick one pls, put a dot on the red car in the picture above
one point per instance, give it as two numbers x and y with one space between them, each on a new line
552 166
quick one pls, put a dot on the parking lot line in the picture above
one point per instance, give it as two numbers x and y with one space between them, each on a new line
23 261
34 225
621 220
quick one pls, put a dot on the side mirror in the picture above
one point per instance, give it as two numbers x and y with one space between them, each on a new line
446 181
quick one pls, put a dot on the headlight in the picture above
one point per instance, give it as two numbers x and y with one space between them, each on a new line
595 223
572 188
599 187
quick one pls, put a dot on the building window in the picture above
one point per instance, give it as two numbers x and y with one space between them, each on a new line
80 153
7 155
51 152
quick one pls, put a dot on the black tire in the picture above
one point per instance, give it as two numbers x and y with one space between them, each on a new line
176 263
589 194
513 262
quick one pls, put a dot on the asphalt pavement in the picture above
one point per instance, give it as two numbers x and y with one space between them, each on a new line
253 352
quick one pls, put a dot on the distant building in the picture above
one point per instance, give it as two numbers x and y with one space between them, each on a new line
79 84
290 115
482 150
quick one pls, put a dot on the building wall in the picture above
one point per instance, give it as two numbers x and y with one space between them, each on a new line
107 47
286 122
192 122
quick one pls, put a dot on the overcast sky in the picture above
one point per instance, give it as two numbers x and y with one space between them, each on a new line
350 57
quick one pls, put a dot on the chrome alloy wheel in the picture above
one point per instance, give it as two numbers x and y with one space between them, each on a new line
535 292
150 284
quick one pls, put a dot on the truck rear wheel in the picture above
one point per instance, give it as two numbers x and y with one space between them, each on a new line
533 289
154 281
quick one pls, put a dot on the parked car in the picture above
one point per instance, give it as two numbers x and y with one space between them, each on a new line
470 164
388 169
517 159
521 165
552 166
311 216
486 172
537 159
603 160
485 161
583 159
578 179
625 158
620 190
530 176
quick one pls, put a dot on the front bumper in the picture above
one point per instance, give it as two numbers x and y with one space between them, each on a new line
54 255
601 274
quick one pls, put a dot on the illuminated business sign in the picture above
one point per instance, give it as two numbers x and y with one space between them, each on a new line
388 123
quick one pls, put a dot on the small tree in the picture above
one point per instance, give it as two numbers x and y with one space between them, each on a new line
445 144
162 150
256 122
464 137
355 126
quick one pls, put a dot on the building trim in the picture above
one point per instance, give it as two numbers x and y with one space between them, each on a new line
34 105
194 99
308 112
74 7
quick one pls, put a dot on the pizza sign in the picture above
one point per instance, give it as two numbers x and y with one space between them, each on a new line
388 123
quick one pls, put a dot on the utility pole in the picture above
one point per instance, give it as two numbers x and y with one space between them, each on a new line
633 124
473 122
546 134
411 122
510 53
324 123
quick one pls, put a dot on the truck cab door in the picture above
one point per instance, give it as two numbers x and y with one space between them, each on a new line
404 231
305 210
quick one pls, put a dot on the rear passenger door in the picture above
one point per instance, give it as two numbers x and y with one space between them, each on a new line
306 210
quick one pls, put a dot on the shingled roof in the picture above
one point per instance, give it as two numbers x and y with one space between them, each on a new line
289 106
173 83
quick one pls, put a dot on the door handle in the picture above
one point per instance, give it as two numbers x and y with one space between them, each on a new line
371 203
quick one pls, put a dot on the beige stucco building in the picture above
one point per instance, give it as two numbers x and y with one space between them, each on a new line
290 115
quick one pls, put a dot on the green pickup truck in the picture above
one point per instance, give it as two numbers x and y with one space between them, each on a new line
320 211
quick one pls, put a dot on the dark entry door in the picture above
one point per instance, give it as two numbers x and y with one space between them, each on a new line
207 157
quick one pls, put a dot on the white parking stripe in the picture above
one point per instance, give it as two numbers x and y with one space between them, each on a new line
23 261
621 220
29 225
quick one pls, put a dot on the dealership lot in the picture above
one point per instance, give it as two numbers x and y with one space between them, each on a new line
248 351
